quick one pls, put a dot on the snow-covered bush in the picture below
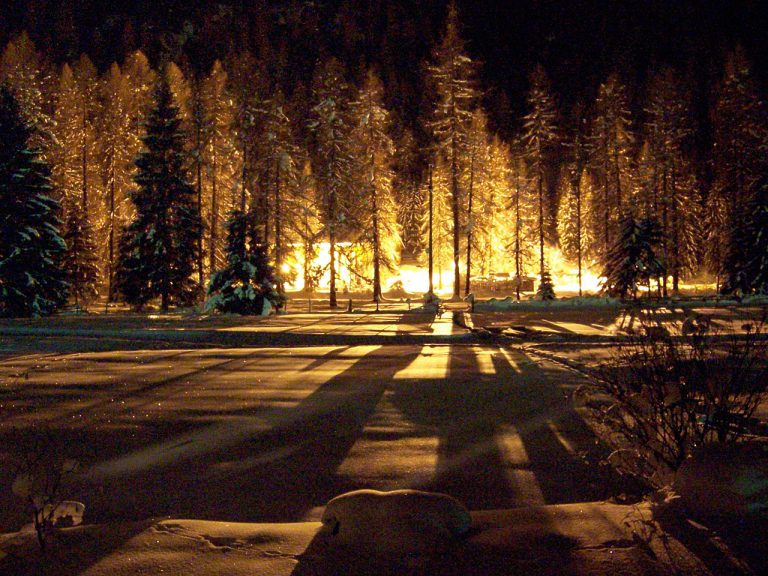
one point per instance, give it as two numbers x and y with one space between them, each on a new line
248 279
42 470
667 392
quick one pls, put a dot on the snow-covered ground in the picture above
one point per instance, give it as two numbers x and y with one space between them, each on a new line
214 428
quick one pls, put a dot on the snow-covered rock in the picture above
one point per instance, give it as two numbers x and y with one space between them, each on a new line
404 521
726 481
64 514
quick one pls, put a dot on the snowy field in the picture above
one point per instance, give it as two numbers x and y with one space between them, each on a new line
231 419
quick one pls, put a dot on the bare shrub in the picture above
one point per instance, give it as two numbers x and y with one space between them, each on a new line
42 468
669 389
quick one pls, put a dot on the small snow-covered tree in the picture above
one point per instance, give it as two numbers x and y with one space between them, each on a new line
80 260
32 279
633 258
242 286
159 247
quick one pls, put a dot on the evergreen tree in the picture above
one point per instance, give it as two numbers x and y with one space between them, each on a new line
573 216
32 280
115 165
521 244
610 143
220 159
747 256
80 260
24 72
633 258
75 175
332 154
673 191
451 77
540 137
159 247
740 149
378 220
247 280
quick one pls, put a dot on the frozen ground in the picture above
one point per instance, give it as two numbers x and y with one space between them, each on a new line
243 420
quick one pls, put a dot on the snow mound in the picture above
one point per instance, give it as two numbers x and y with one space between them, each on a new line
509 303
401 521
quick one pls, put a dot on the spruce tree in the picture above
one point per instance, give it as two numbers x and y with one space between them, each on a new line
611 141
540 137
740 149
451 76
159 248
32 280
332 154
80 261
747 255
378 218
632 258
247 280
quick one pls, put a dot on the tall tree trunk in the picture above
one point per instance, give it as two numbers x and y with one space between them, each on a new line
278 229
467 286
111 263
199 166
578 231
455 209
431 245
214 236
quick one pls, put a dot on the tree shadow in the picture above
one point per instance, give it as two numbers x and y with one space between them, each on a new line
277 474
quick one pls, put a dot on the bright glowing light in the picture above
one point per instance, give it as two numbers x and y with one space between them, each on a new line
565 275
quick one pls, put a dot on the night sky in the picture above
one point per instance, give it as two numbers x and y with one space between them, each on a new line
578 41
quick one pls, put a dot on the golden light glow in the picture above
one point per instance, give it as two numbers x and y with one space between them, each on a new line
565 275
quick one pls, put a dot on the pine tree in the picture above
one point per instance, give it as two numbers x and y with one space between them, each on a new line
740 146
633 258
378 222
451 78
24 72
32 280
490 223
332 154
80 260
279 157
75 175
521 244
159 247
747 255
476 176
573 216
247 280
220 158
673 186
115 165
540 136
610 145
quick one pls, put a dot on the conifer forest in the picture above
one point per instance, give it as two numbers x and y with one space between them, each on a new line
234 152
